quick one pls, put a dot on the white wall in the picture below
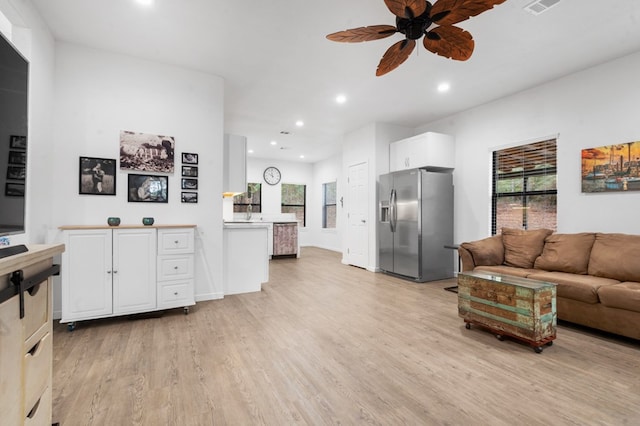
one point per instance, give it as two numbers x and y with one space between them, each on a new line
592 108
369 144
291 172
329 170
98 94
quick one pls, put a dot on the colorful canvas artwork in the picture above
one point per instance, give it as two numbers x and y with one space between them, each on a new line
611 168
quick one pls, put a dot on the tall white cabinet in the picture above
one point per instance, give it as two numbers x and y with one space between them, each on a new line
125 270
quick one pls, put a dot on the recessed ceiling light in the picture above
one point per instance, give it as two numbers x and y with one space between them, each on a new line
274 143
145 2
302 156
341 99
250 151
299 123
444 87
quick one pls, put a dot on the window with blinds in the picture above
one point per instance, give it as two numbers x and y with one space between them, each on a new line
329 205
253 198
524 187
294 200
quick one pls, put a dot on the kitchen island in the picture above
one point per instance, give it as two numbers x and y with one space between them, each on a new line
283 232
246 256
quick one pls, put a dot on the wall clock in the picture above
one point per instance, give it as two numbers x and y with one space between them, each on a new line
271 175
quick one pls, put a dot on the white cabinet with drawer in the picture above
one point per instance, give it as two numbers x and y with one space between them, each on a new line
108 272
175 268
125 270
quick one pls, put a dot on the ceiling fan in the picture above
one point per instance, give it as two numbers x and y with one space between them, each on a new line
414 19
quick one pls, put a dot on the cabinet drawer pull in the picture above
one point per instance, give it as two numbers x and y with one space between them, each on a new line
34 349
175 267
34 410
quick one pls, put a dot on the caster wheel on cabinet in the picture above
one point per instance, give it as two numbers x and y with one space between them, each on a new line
538 349
71 326
467 326
186 310
550 343
500 337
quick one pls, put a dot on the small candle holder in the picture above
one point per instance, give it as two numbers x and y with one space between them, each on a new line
113 221
147 221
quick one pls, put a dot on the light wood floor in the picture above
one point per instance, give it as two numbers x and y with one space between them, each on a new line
325 343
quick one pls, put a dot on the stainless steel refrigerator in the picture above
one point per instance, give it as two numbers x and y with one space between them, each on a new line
415 223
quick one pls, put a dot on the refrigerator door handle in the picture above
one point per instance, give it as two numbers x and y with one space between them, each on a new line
392 210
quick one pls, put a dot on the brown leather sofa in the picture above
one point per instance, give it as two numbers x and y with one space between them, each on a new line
597 274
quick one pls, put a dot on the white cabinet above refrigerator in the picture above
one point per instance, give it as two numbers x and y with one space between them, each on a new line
433 150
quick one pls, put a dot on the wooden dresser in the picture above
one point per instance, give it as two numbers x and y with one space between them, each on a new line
26 336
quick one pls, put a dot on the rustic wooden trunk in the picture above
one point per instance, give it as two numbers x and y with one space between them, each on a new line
509 306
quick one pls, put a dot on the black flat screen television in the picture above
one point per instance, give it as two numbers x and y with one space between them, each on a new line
14 84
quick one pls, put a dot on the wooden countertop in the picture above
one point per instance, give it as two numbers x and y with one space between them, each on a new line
121 226
36 253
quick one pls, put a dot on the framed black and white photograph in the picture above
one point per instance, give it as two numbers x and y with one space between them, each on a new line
189 197
190 184
18 142
14 189
16 172
190 171
18 157
97 176
144 152
189 158
148 189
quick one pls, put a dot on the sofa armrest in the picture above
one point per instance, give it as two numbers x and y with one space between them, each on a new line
485 252
466 259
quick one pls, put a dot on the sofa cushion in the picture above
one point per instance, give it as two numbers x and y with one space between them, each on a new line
616 256
488 251
583 288
566 253
505 270
521 248
625 295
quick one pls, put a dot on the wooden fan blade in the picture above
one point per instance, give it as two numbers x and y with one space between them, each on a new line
450 42
357 35
449 12
395 56
406 8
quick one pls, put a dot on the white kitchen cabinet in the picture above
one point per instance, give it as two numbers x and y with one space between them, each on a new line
246 260
429 149
134 270
235 164
131 269
87 282
175 268
108 272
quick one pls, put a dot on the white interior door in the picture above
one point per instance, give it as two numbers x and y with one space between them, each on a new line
357 215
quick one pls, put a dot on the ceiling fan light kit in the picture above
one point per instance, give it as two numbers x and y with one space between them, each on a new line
415 19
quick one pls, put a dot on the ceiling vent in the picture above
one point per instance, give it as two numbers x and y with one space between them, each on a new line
539 6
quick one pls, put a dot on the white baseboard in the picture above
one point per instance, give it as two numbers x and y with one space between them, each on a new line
208 296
